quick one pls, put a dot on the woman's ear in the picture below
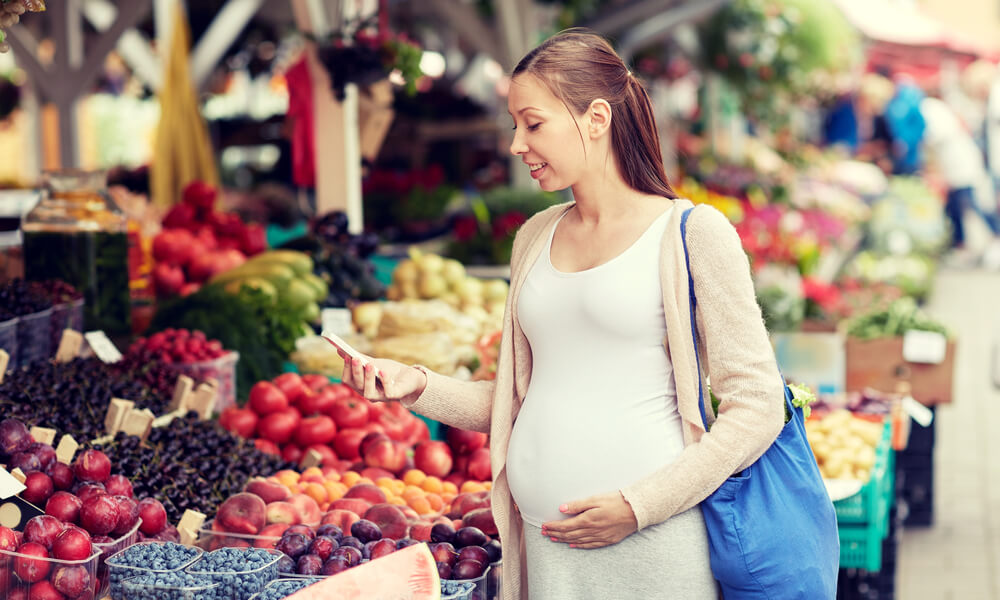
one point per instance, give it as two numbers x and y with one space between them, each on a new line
599 115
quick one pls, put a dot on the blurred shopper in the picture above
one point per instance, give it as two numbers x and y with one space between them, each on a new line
875 138
959 164
906 125
597 484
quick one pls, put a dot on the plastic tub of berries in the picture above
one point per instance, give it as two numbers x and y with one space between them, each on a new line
147 558
109 549
33 337
171 585
242 572
280 588
29 575
460 591
478 591
8 340
211 539
222 369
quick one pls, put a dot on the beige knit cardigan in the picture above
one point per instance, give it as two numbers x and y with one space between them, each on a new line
735 353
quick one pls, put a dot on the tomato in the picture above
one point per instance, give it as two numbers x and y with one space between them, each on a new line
317 403
266 398
266 446
315 430
350 412
329 457
292 386
347 443
315 381
279 426
292 453
397 427
241 421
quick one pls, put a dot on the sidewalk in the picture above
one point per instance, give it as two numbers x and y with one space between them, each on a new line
958 557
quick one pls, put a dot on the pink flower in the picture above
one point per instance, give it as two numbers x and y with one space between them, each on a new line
466 227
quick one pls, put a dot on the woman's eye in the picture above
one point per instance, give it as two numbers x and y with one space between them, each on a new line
534 127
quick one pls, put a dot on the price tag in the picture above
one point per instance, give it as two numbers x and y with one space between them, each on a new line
138 423
9 485
924 347
181 392
102 346
312 458
203 401
918 412
337 320
4 360
66 449
69 346
117 411
43 435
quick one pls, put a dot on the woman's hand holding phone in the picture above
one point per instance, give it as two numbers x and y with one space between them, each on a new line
377 379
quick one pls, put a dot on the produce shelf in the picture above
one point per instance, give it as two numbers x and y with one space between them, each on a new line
863 519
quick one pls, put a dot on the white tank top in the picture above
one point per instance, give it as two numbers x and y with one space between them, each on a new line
601 411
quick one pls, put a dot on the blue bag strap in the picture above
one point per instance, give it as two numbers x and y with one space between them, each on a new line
693 302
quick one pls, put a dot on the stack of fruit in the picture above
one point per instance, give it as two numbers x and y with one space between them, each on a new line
428 276
198 242
845 445
286 276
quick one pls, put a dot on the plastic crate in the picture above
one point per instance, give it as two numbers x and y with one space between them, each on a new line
109 549
871 504
8 340
244 584
861 547
119 572
33 338
11 563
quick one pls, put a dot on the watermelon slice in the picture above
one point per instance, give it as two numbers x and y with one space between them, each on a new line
407 573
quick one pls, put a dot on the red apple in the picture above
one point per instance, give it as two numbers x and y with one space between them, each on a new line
168 279
349 411
479 465
433 458
463 441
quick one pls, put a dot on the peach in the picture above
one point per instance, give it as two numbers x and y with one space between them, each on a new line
433 457
341 518
421 531
269 491
376 473
355 505
481 518
387 454
281 511
389 518
242 513
308 508
366 491
274 530
479 464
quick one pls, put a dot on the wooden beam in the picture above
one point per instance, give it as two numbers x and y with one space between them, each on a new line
620 18
128 17
26 53
225 28
661 25
133 46
472 28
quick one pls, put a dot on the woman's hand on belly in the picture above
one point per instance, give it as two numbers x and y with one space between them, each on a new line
597 521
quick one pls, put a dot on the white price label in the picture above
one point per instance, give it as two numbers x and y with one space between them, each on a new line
918 412
102 346
927 347
337 320
9 485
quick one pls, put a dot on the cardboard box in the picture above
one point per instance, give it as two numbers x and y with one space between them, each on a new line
879 364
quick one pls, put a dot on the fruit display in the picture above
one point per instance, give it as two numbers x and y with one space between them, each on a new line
149 559
844 445
48 560
184 475
197 242
240 573
284 276
427 276
36 393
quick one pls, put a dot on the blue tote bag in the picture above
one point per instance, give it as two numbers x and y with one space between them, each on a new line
772 528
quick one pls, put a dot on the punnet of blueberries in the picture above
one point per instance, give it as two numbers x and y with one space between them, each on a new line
147 558
241 572
172 585
279 588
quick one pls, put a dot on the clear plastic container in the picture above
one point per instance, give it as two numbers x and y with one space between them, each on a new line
109 549
34 341
78 235
478 591
8 340
119 571
494 581
461 591
65 315
244 584
279 588
210 539
222 369
73 578
144 587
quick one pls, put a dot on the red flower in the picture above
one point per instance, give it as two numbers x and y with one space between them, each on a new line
507 223
825 295
466 227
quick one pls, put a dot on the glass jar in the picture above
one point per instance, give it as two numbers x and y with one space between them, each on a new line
78 235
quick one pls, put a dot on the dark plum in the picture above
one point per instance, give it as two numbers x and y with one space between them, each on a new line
27 461
444 570
366 531
294 545
305 530
476 553
493 548
406 542
366 552
323 546
442 532
331 530
335 564
62 476
444 552
351 554
309 564
468 569
14 437
381 548
44 452
286 564
468 536
352 542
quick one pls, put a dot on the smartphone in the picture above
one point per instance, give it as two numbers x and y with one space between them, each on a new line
340 343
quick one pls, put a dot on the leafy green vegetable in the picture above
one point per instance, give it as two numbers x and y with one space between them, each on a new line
802 397
900 316
261 330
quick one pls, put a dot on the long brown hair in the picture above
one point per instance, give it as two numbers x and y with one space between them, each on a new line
579 66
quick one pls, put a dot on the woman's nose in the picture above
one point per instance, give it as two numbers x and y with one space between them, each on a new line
517 145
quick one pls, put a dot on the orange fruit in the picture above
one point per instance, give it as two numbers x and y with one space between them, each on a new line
312 472
414 477
349 478
287 478
384 482
316 491
471 487
448 498
335 490
411 491
436 502
396 500
397 486
432 484
421 505
365 480
449 487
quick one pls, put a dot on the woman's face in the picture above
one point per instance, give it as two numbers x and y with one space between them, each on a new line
547 136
